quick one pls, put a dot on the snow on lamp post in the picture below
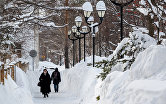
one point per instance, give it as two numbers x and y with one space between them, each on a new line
101 8
78 21
73 41
122 4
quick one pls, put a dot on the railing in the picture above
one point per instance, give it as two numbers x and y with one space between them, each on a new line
11 70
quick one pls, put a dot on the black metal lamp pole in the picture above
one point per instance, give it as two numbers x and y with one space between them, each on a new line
73 41
93 36
100 7
85 33
121 5
77 35
78 21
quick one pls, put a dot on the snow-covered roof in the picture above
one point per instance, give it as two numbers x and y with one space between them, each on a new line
100 6
87 6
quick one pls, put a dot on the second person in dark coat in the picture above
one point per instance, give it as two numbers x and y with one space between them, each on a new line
56 77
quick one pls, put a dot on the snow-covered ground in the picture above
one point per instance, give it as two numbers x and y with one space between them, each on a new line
144 83
16 93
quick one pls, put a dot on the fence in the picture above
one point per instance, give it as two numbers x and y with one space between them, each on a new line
11 70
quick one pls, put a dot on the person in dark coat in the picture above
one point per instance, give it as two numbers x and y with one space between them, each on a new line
56 77
45 82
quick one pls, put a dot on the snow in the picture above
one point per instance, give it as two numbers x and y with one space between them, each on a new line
148 85
9 5
144 11
149 62
101 6
91 18
1 63
142 2
87 6
78 18
80 86
16 93
154 9
48 65
143 83
23 60
161 34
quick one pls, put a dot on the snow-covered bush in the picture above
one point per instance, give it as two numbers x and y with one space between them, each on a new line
126 52
6 41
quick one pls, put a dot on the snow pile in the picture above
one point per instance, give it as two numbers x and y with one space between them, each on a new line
80 81
149 62
143 83
16 93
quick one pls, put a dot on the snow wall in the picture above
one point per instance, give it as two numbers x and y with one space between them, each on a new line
143 83
16 92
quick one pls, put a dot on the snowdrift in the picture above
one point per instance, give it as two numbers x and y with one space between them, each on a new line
150 62
144 83
16 92
80 81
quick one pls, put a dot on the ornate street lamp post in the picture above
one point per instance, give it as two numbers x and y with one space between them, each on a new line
101 8
121 5
78 36
78 21
73 41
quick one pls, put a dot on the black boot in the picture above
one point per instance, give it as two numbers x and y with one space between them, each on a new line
47 95
44 95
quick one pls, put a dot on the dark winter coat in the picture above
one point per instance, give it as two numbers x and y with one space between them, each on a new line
56 77
45 82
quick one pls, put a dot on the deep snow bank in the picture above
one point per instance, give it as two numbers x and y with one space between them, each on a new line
144 83
150 62
80 81
16 93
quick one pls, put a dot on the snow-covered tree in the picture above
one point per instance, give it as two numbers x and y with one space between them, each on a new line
155 13
126 52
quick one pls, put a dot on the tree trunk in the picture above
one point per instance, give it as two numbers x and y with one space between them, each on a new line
66 39
150 25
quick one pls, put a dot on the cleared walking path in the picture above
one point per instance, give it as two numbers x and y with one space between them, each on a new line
54 98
